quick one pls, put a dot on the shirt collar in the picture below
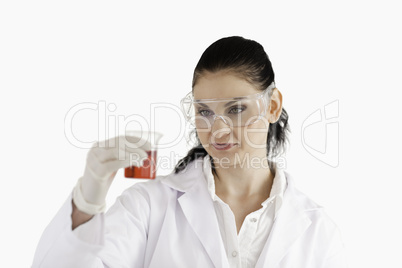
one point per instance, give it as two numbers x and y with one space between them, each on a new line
277 190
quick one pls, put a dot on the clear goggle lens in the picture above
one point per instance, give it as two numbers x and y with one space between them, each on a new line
235 112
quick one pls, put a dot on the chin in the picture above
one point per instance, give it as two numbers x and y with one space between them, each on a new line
225 159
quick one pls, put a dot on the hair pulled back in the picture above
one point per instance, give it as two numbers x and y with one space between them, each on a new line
248 60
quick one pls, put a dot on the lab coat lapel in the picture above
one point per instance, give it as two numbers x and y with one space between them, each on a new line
198 208
289 225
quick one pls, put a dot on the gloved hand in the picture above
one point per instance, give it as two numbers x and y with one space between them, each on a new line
104 159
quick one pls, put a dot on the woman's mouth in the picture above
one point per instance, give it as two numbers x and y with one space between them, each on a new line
223 146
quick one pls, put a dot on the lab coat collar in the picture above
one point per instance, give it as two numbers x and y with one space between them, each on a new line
291 222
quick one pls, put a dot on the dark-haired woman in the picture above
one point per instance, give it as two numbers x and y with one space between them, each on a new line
227 204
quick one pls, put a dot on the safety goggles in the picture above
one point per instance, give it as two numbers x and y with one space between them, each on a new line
234 112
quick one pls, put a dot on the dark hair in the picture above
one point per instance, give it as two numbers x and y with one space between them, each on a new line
247 59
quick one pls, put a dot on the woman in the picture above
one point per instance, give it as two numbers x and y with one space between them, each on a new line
227 204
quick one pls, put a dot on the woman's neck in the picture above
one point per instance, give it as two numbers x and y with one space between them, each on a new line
243 182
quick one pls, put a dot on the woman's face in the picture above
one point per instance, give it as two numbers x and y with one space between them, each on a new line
228 145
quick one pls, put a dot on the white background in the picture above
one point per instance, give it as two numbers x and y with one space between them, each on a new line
55 55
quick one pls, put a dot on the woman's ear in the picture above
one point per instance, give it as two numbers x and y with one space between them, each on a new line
275 106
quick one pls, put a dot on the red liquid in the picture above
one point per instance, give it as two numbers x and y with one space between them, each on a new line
147 171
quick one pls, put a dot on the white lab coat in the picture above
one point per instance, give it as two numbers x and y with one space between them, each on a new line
171 222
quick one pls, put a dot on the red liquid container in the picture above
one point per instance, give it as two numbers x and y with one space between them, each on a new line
146 171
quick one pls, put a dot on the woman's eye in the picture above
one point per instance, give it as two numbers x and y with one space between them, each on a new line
205 112
237 109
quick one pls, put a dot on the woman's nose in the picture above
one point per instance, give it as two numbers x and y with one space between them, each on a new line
220 128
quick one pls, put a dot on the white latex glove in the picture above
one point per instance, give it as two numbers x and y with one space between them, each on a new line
104 159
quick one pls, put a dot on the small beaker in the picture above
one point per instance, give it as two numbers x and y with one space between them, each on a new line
148 169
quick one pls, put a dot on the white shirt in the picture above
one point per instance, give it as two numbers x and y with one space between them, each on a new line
244 249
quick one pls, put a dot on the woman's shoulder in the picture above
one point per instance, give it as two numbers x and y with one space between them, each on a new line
144 195
169 184
299 198
149 188
304 203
